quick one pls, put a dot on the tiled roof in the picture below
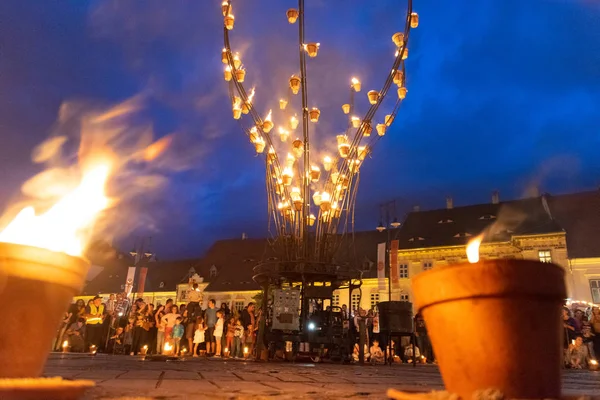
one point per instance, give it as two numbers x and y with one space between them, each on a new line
579 214
456 226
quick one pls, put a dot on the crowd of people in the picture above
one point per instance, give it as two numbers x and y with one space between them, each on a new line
582 336
119 327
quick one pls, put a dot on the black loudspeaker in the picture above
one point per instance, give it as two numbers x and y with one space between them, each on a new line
395 316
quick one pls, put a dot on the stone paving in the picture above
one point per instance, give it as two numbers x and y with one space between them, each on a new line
119 377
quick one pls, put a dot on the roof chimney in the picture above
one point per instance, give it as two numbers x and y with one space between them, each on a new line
416 208
244 236
449 203
495 197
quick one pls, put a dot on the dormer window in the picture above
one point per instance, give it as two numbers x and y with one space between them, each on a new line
445 221
161 285
213 271
465 234
487 216
418 238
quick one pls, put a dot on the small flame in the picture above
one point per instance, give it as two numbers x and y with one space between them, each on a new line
268 118
168 347
65 343
354 81
62 227
157 148
593 362
473 249
252 93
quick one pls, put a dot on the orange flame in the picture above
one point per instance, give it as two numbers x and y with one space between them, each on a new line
157 148
473 249
252 93
62 228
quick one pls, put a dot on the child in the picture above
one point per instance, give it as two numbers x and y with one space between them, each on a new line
199 329
128 338
356 355
238 336
377 356
219 332
230 335
115 343
178 331
169 321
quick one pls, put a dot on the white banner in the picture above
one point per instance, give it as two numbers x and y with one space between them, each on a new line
129 281
381 265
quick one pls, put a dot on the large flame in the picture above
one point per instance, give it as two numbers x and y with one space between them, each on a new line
63 227
473 249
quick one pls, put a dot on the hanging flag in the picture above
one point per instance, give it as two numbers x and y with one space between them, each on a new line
381 265
394 269
142 281
129 280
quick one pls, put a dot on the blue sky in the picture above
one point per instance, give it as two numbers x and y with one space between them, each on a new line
503 95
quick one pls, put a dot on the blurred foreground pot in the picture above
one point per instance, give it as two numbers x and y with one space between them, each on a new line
495 324
36 287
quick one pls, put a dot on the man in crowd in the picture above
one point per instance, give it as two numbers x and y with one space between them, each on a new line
94 317
211 320
249 323
194 296
121 308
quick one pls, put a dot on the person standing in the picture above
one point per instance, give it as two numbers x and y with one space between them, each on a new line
249 322
94 316
160 332
211 320
194 296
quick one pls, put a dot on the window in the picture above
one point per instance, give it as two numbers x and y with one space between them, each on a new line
403 270
238 305
335 300
213 271
545 256
403 297
595 288
374 300
427 265
355 300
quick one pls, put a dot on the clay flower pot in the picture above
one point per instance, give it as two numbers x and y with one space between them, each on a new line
52 279
292 15
495 324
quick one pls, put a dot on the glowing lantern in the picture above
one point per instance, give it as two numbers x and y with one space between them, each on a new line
259 145
286 176
237 62
311 219
282 104
271 155
289 162
346 108
267 123
283 134
292 15
314 114
362 152
353 166
373 96
224 57
327 163
325 201
344 149
296 198
367 129
237 111
398 39
405 53
312 49
294 122
334 177
344 181
227 73
226 8
229 21
315 173
65 346
398 77
295 84
335 210
297 148
325 216
317 198
279 186
381 129
355 84
414 20
355 122
240 75
389 119
402 93
253 134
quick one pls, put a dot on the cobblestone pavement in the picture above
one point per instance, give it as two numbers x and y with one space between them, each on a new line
125 376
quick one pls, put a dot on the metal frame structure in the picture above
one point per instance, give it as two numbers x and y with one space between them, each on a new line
310 213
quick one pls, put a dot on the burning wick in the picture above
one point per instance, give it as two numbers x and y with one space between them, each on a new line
473 249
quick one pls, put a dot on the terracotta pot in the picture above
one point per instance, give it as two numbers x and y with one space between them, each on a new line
39 284
495 324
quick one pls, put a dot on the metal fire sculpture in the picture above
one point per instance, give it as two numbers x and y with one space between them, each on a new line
311 201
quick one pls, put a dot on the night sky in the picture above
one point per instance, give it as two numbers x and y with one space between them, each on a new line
503 95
